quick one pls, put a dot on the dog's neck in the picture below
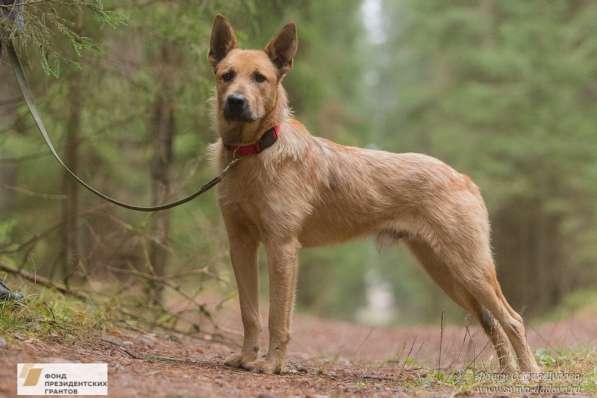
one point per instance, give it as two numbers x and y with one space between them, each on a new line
250 133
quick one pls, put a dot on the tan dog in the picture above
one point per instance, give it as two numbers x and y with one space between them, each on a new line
304 191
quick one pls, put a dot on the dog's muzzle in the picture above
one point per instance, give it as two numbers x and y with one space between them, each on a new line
237 108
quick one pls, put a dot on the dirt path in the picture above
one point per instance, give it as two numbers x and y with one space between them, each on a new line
326 358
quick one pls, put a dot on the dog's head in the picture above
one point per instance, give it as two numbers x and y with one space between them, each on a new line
247 81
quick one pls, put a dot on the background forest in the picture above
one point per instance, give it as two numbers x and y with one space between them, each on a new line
505 91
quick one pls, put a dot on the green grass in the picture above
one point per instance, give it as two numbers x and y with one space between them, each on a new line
48 313
575 371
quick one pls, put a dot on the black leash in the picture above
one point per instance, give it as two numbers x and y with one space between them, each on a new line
26 92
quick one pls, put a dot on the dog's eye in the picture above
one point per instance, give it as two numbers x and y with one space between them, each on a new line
228 76
258 77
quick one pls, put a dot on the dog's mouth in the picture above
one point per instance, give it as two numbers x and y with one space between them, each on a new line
245 116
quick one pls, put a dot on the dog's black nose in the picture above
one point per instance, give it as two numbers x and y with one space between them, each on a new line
237 108
236 103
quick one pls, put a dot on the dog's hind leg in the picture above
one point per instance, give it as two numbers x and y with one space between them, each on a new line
461 240
440 273
489 294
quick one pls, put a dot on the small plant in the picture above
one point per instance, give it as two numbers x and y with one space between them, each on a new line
544 358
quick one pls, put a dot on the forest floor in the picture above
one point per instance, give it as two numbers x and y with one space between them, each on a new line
326 358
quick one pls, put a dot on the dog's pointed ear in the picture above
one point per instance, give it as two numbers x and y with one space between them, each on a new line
222 40
282 48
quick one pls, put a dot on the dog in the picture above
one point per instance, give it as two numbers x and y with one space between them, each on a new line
290 190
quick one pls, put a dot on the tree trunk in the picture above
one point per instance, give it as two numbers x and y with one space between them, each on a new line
530 256
162 132
70 206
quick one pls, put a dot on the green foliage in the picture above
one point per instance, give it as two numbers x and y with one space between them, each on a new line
52 30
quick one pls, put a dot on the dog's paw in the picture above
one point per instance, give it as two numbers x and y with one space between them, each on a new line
235 361
263 365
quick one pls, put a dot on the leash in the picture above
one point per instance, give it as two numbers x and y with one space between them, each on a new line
28 97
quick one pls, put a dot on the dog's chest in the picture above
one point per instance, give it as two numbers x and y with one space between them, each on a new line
269 201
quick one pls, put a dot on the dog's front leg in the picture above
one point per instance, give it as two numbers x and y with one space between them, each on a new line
282 256
243 254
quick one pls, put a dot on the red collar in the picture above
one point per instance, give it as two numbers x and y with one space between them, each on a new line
267 139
